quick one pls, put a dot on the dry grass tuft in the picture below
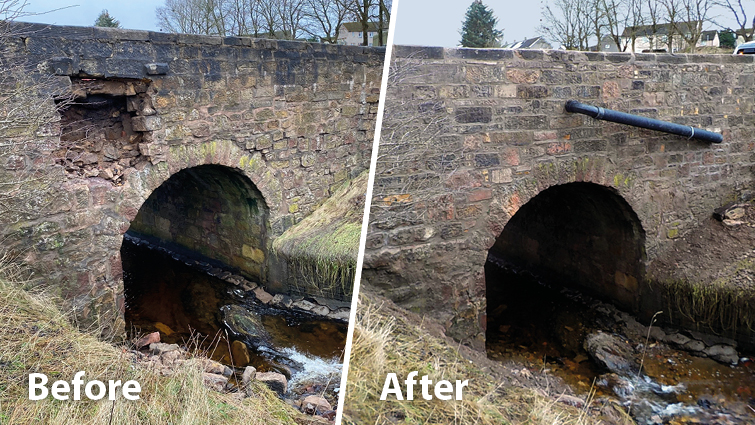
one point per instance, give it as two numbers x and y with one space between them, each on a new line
37 337
387 342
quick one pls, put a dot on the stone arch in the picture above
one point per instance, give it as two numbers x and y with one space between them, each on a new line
580 234
212 213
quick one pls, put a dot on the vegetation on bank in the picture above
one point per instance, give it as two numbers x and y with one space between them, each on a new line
385 340
322 249
37 337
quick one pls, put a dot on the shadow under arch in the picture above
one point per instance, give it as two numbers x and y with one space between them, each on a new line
211 213
581 235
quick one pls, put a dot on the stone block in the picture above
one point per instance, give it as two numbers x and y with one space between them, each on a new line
160 68
146 123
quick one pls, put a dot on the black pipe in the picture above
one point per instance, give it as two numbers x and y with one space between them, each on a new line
643 122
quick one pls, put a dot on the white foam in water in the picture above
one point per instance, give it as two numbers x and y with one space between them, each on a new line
315 369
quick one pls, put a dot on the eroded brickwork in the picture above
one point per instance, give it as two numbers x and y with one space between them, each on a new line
499 135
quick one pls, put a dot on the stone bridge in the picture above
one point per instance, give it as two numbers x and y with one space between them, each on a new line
215 145
503 172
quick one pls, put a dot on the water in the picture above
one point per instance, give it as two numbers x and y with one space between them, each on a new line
544 326
183 303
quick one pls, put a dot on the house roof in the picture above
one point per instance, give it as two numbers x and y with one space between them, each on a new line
662 29
357 26
528 43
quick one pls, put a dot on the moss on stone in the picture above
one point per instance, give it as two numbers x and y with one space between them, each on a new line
322 249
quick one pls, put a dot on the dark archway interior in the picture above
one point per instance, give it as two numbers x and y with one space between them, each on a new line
210 210
209 213
577 234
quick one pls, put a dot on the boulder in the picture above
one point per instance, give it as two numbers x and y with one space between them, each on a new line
158 348
240 354
610 352
214 381
211 366
147 340
245 325
262 295
722 353
315 405
274 380
248 375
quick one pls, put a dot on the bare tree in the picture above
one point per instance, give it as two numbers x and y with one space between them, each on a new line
569 22
623 17
291 15
411 170
30 99
193 17
364 12
686 18
325 18
738 10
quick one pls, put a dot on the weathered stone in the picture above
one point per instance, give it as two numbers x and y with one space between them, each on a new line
240 354
611 353
249 374
262 295
214 381
159 348
722 353
156 68
275 381
245 325
147 340
148 123
314 405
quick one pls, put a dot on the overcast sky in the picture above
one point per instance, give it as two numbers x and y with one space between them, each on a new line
132 14
419 22
437 22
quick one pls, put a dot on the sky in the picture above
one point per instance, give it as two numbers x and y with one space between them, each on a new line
418 22
132 14
432 23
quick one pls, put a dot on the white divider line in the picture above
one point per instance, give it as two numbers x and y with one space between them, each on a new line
366 217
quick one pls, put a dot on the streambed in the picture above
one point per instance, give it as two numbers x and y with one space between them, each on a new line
546 326
186 305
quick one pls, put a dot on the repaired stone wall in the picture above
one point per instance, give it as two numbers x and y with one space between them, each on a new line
492 131
297 119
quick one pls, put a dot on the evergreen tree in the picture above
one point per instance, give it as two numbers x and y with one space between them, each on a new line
478 29
727 39
105 20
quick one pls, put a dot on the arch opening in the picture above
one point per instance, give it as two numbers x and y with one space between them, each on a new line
574 238
209 216
195 261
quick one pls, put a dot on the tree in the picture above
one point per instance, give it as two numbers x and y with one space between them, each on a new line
568 22
105 20
727 39
737 8
478 29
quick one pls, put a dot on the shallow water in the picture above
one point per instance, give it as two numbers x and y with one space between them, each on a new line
545 327
183 303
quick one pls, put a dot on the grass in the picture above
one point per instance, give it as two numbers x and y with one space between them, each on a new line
387 342
37 337
719 306
322 249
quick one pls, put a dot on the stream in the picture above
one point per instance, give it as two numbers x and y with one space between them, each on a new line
546 327
191 307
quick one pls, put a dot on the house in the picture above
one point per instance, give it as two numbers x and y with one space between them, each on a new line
607 44
350 33
537 43
655 38
709 39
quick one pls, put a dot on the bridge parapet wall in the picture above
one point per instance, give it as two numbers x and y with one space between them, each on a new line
493 133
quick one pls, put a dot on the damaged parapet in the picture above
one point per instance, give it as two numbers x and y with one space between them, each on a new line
318 256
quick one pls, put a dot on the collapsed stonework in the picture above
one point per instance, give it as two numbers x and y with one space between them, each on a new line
294 120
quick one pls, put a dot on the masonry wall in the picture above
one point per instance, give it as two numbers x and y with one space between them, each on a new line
296 119
470 136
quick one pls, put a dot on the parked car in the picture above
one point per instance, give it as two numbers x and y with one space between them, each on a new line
745 48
